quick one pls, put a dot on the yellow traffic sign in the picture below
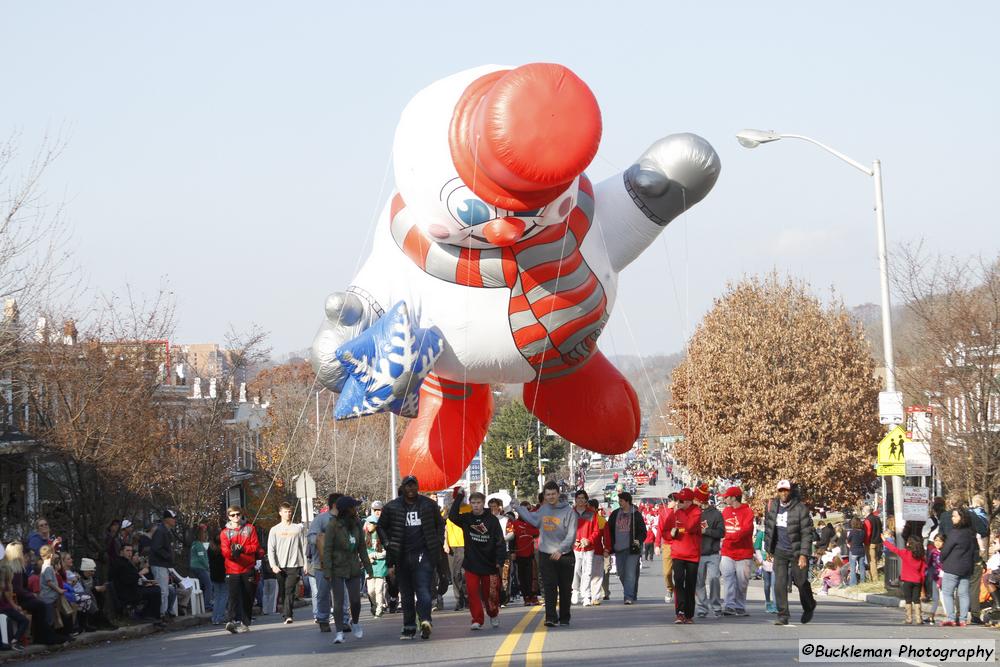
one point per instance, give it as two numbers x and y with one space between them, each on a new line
892 452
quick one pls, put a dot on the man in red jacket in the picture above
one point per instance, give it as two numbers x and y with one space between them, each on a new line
662 546
737 552
239 549
524 553
683 524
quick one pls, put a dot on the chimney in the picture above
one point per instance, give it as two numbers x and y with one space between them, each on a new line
41 330
69 332
197 388
211 388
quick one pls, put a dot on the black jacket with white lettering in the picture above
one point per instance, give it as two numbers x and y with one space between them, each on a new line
392 527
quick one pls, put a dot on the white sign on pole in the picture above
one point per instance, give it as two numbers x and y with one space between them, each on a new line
916 503
890 407
305 491
918 459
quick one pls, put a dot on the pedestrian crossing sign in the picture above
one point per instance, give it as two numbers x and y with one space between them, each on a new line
892 452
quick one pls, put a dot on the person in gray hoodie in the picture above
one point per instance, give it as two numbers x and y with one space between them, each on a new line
556 520
712 530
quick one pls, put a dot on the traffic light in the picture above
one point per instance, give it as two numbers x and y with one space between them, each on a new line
645 446
520 452
510 451
531 444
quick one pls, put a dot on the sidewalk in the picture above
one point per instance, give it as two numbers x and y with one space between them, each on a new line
881 598
124 632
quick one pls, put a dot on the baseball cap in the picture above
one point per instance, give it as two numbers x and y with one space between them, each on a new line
408 479
377 505
170 514
126 524
733 492
701 493
784 484
345 503
88 565
685 494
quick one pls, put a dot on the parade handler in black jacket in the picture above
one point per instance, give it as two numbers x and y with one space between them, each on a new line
788 534
412 529
485 553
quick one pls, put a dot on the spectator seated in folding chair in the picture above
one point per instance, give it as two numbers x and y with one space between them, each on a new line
132 592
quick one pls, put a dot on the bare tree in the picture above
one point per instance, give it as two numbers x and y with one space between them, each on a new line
953 362
34 252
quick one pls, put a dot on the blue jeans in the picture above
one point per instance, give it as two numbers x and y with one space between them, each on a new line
320 597
856 568
414 577
628 573
205 581
949 582
220 597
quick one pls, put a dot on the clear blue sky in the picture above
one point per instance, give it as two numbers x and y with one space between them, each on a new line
237 149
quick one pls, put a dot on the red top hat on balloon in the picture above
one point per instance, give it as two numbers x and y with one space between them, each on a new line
519 137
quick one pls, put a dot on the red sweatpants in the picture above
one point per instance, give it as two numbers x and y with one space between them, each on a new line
483 589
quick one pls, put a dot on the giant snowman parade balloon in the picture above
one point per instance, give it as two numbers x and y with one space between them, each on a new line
496 261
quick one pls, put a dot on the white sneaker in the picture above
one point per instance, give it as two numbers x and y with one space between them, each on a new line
495 621
359 632
244 628
475 626
339 639
669 598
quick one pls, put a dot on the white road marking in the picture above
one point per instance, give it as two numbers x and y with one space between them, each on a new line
232 650
913 662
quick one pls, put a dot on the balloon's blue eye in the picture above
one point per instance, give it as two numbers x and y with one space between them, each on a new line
527 214
473 212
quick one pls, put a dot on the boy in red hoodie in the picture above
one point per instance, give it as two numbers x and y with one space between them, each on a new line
588 533
737 552
683 524
525 536
239 548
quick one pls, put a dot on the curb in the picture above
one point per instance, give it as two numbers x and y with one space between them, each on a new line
878 599
125 632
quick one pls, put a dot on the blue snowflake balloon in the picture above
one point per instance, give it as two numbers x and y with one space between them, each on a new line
387 363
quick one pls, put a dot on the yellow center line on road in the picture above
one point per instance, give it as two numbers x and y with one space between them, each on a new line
502 657
534 656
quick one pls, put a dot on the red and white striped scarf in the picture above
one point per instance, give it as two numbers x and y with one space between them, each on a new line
558 307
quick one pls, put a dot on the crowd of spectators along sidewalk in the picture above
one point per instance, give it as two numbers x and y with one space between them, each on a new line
404 554
49 594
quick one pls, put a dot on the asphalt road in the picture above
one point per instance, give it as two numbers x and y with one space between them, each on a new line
641 634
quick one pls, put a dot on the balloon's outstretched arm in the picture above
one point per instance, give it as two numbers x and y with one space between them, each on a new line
634 206
347 314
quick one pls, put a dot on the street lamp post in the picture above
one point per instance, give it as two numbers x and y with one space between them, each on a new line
754 138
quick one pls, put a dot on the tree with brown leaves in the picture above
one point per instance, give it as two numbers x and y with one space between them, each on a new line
774 386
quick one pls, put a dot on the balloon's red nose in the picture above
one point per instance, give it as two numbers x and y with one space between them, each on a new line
504 231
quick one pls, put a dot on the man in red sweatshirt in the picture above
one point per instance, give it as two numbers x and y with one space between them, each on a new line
683 524
239 549
737 552
588 532
662 546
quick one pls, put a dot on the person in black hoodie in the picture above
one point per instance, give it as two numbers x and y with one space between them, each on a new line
958 558
485 553
161 557
712 531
